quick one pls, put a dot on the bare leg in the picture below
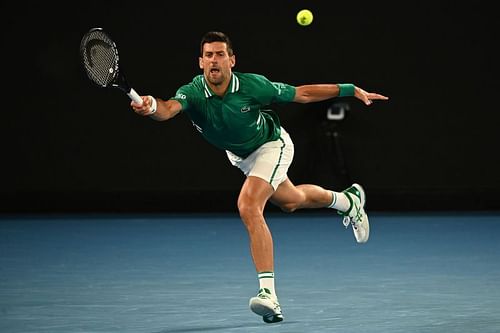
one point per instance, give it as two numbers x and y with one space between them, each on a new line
290 197
251 202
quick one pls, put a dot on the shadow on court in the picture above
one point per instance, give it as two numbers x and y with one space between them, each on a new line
228 327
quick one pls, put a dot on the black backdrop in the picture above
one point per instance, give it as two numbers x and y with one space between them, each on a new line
70 146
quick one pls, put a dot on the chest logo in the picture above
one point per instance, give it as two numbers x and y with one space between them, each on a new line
245 109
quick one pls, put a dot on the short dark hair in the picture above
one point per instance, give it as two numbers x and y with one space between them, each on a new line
216 36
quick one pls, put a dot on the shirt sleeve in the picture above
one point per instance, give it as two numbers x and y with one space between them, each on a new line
274 92
284 92
182 94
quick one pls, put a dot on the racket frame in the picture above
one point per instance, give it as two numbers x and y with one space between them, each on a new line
118 81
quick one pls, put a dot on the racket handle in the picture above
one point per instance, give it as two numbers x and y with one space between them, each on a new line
134 96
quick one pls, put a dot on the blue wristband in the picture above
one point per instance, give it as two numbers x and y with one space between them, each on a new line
346 89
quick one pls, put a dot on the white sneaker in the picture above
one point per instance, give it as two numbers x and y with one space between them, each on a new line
266 306
356 215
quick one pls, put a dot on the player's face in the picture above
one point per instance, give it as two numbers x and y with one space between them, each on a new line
216 63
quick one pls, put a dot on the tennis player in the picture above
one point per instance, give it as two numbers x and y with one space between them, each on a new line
230 110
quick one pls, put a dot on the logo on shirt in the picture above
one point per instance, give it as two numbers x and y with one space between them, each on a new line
180 96
279 86
245 109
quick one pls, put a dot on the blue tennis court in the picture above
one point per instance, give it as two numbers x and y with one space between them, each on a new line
193 273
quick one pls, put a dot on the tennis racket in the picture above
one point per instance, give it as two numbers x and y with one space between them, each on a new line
101 62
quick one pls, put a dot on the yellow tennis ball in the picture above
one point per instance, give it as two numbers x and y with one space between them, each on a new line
304 17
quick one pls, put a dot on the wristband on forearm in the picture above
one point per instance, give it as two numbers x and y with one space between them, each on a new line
346 89
153 105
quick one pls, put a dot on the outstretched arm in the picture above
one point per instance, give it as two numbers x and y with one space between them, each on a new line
320 92
157 108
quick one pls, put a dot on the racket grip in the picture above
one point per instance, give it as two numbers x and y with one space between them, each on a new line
134 96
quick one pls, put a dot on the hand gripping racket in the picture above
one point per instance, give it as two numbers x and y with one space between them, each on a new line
100 59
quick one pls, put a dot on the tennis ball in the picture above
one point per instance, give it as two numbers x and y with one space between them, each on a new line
304 17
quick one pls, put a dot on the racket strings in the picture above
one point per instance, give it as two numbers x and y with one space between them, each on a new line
100 57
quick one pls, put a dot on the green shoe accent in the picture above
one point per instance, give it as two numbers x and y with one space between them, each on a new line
356 215
267 291
348 192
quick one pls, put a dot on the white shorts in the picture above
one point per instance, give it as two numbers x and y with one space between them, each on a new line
269 162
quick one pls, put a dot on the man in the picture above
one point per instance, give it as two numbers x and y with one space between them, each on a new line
229 110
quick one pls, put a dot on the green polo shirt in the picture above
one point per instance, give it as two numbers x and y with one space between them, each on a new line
239 121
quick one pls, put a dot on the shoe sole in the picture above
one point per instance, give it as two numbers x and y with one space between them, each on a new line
262 309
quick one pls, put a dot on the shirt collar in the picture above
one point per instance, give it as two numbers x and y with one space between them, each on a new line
234 86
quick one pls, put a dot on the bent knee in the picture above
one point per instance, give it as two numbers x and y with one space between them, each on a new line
289 207
289 204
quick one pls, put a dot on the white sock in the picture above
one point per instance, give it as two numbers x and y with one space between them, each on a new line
340 202
266 282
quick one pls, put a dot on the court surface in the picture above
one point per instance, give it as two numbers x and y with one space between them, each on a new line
193 273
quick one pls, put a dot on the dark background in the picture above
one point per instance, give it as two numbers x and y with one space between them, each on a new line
69 146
